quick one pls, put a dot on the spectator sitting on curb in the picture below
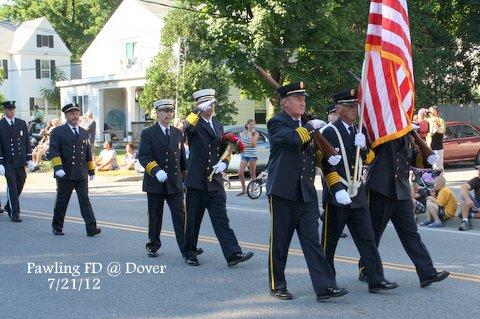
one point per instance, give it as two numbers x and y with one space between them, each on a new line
442 206
470 203
130 157
107 159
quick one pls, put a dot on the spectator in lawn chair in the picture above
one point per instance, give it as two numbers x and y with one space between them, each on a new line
470 202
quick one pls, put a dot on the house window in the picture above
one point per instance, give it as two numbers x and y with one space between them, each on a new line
44 41
5 69
45 69
130 53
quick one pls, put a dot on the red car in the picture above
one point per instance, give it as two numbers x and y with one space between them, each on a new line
461 143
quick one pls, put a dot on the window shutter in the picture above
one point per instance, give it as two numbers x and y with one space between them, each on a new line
32 103
50 41
39 41
52 68
5 69
37 68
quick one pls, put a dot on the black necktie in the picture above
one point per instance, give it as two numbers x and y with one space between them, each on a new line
350 130
167 132
213 127
76 132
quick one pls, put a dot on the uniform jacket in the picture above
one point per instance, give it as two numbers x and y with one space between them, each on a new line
206 148
333 173
14 143
70 153
291 166
389 172
160 152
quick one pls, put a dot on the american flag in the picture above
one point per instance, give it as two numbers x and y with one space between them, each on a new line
387 83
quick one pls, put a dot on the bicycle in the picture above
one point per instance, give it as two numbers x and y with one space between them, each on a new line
255 187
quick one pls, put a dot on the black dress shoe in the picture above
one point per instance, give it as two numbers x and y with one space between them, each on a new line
96 231
282 294
1 210
238 258
382 285
198 251
438 277
16 220
151 252
332 293
361 275
192 261
343 235
57 232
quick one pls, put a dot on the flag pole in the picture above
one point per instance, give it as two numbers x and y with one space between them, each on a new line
356 172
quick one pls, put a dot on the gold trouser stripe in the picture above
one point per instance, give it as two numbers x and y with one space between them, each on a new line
186 212
303 133
332 178
325 228
270 253
370 157
151 165
90 165
192 118
56 161
419 161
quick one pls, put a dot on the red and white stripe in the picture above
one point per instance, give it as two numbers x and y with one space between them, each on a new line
387 77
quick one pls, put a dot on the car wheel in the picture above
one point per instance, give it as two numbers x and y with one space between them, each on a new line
227 184
254 189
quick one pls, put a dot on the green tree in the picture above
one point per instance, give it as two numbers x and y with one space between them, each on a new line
76 21
319 41
162 83
52 94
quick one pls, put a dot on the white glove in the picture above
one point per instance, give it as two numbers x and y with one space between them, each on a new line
316 124
31 166
60 173
415 126
342 197
334 159
2 169
161 176
360 140
219 167
91 178
205 106
433 159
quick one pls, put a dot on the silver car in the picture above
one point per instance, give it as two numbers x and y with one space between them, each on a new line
263 148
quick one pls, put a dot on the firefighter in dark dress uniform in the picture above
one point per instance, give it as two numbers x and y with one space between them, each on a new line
342 208
293 197
204 135
71 156
15 154
390 199
162 153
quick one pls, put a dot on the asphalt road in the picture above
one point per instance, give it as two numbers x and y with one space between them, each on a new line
212 290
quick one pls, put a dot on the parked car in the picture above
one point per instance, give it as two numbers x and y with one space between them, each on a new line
263 148
461 143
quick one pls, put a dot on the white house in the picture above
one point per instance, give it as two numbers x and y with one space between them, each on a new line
114 68
29 53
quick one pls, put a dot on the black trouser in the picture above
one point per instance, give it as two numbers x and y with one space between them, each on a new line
383 209
196 203
155 216
286 216
15 181
360 226
64 192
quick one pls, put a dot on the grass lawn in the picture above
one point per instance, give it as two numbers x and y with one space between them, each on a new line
46 165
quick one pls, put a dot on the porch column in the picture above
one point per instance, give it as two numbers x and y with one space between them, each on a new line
131 115
101 117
